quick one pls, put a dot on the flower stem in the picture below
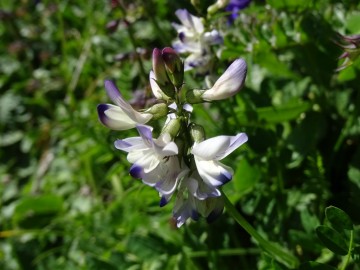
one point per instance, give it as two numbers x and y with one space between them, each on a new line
349 252
277 252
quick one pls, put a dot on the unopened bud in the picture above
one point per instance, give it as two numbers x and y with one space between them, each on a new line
197 133
174 66
172 127
159 67
158 110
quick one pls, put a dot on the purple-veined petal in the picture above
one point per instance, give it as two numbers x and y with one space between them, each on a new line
229 83
114 117
130 144
218 147
136 171
146 134
213 172
145 159
114 94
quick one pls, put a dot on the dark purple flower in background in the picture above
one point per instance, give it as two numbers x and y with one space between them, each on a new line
234 7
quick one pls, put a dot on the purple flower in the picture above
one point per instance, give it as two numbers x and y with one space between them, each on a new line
234 7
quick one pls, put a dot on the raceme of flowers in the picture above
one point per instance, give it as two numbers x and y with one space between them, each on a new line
195 41
178 162
351 46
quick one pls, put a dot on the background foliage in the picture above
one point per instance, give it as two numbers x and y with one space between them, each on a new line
67 201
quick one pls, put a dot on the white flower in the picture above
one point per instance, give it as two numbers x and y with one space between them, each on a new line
229 83
188 205
194 40
208 153
154 160
120 116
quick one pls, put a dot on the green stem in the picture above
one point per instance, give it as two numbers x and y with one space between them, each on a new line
349 252
277 252
226 252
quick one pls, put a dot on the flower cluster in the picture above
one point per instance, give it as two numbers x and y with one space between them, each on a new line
194 41
180 162
351 46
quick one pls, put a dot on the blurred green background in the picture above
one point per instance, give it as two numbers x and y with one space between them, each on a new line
66 199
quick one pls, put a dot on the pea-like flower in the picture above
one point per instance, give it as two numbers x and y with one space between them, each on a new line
208 153
229 84
154 160
193 39
234 6
120 116
188 205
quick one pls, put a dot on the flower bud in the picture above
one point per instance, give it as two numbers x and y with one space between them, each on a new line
168 73
174 66
159 67
218 5
197 133
158 110
229 84
172 127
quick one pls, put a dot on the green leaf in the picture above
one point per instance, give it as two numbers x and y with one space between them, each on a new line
246 176
289 4
33 212
315 266
274 114
338 218
353 22
332 240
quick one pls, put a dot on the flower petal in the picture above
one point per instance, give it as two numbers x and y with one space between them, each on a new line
145 159
136 171
213 172
130 144
114 94
189 20
146 134
229 83
155 88
213 37
169 182
202 191
218 147
114 117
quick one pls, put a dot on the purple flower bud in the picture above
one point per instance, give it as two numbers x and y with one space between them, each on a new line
159 67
